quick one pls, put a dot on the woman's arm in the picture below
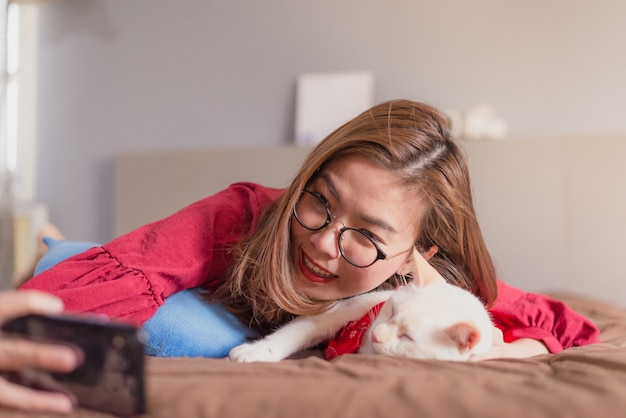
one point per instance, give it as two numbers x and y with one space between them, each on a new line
522 316
524 347
131 276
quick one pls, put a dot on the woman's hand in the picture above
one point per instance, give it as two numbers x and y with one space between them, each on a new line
522 348
18 355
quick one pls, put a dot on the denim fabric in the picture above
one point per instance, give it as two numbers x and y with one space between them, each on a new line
185 325
59 250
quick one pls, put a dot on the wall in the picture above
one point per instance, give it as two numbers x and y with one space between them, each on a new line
118 76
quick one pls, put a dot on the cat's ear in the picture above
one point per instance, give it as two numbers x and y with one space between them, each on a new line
464 335
423 273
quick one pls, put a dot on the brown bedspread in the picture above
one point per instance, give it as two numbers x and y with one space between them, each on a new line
580 382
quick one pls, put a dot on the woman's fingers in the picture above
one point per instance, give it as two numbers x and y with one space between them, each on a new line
21 356
14 304
17 353
20 397
498 337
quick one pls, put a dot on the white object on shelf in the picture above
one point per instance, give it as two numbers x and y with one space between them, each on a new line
324 101
480 123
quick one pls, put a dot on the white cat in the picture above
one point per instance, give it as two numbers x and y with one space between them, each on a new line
438 321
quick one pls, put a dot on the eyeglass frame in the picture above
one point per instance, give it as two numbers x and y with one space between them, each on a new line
380 254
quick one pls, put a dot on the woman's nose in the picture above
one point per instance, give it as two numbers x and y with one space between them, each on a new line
326 240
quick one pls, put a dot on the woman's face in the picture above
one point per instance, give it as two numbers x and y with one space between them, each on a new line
362 195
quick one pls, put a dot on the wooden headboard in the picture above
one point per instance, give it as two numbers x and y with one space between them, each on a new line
553 211
152 185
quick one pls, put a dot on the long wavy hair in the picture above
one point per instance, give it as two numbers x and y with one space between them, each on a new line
413 141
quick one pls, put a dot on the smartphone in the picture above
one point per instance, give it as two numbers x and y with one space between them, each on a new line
111 376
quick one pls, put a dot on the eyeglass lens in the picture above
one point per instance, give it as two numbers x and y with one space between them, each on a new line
312 212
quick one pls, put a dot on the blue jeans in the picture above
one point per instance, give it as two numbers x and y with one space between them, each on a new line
185 325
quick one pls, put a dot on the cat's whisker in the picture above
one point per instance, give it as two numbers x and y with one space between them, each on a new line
402 279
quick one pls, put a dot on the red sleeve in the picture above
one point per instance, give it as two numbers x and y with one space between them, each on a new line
529 315
130 277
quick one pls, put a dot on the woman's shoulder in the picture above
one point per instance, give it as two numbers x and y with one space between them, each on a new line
271 193
248 190
235 197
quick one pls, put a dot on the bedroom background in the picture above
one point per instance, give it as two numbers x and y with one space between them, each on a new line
112 77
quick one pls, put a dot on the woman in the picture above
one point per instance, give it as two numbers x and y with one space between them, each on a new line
390 179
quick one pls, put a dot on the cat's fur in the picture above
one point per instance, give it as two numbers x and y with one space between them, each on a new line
438 321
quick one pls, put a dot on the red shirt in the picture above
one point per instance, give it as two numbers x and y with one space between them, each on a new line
131 276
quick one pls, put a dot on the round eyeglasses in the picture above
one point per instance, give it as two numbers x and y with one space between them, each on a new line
355 245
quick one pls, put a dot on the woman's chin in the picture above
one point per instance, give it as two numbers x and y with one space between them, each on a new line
322 291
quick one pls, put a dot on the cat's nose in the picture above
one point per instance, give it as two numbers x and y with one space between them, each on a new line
383 333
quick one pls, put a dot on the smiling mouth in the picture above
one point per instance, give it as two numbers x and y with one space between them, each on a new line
313 272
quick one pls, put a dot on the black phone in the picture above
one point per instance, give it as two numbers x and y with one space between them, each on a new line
111 376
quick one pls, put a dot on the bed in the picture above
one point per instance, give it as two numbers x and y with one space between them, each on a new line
579 382
586 381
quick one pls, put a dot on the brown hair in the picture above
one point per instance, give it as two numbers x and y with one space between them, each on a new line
411 139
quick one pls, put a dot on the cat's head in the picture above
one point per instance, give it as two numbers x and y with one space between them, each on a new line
439 321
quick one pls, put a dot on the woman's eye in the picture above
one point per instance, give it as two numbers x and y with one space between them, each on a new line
367 233
371 236
321 198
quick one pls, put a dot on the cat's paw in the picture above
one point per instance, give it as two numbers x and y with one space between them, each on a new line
253 352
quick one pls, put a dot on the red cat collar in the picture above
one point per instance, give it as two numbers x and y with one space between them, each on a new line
348 339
